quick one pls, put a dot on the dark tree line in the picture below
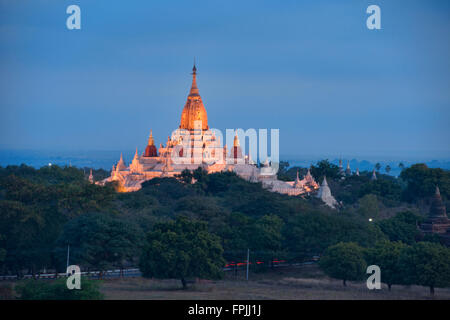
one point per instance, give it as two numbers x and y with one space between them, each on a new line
423 263
43 211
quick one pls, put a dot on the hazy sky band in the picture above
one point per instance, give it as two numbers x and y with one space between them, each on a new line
311 69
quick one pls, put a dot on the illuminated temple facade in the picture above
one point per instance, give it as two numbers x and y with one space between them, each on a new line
202 149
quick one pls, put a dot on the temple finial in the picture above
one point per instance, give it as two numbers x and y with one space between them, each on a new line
194 89
194 68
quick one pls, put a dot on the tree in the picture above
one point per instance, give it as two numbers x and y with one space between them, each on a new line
166 190
325 168
401 166
402 227
186 176
388 169
312 233
99 240
386 188
377 166
386 255
265 238
368 206
344 261
34 206
235 236
200 174
282 171
181 249
25 237
57 290
426 264
421 182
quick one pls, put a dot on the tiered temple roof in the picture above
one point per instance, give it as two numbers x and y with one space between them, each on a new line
194 110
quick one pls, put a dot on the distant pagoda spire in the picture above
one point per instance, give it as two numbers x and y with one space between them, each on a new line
91 177
348 171
308 177
437 206
341 169
357 172
374 175
135 165
121 164
297 183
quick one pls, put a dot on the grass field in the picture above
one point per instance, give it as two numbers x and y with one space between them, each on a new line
303 283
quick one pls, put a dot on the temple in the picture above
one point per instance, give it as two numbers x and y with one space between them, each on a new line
348 171
193 145
437 221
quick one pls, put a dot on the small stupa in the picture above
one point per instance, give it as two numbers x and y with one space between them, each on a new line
325 194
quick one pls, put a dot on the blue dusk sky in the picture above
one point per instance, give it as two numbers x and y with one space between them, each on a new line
309 68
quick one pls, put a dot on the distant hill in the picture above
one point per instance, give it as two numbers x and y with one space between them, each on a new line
105 160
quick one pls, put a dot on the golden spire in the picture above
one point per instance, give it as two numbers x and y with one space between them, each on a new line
236 140
194 110
194 90
151 141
